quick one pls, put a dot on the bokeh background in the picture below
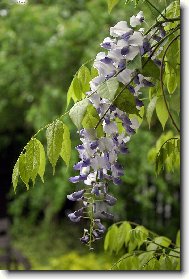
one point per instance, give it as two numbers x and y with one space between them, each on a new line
42 44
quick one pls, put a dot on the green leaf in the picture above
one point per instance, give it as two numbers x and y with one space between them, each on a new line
127 228
162 240
143 234
151 247
150 109
54 136
66 146
23 170
106 241
144 258
41 169
126 102
171 83
151 264
178 239
15 175
129 262
150 69
94 72
112 4
111 241
161 111
132 246
74 91
91 119
32 158
136 63
84 77
165 263
122 231
77 112
108 89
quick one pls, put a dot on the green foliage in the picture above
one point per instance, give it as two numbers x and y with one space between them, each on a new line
161 111
131 1
53 93
32 160
42 165
54 136
166 154
178 239
75 261
108 89
77 112
171 79
79 85
126 102
91 119
74 91
149 68
144 250
112 4
66 146
150 109
136 63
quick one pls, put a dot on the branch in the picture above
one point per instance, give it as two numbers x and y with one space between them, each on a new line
149 58
161 83
155 9
161 22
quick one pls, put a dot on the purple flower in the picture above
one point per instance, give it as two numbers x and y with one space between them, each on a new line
106 60
76 195
125 50
98 165
107 215
110 199
74 218
139 103
84 239
131 89
78 178
99 225
94 145
147 83
117 181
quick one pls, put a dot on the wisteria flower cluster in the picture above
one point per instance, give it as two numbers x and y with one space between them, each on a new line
98 165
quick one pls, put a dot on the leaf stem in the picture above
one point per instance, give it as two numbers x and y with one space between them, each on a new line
161 83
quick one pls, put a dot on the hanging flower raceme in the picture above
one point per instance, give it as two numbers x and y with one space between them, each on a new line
98 165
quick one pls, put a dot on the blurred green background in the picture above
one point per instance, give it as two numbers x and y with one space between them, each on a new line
42 45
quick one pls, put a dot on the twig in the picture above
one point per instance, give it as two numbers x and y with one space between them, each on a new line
161 83
155 9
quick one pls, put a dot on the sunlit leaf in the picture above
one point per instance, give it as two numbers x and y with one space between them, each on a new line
112 4
150 109
77 112
108 89
161 111
42 165
66 146
54 136
33 158
84 77
15 175
23 170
